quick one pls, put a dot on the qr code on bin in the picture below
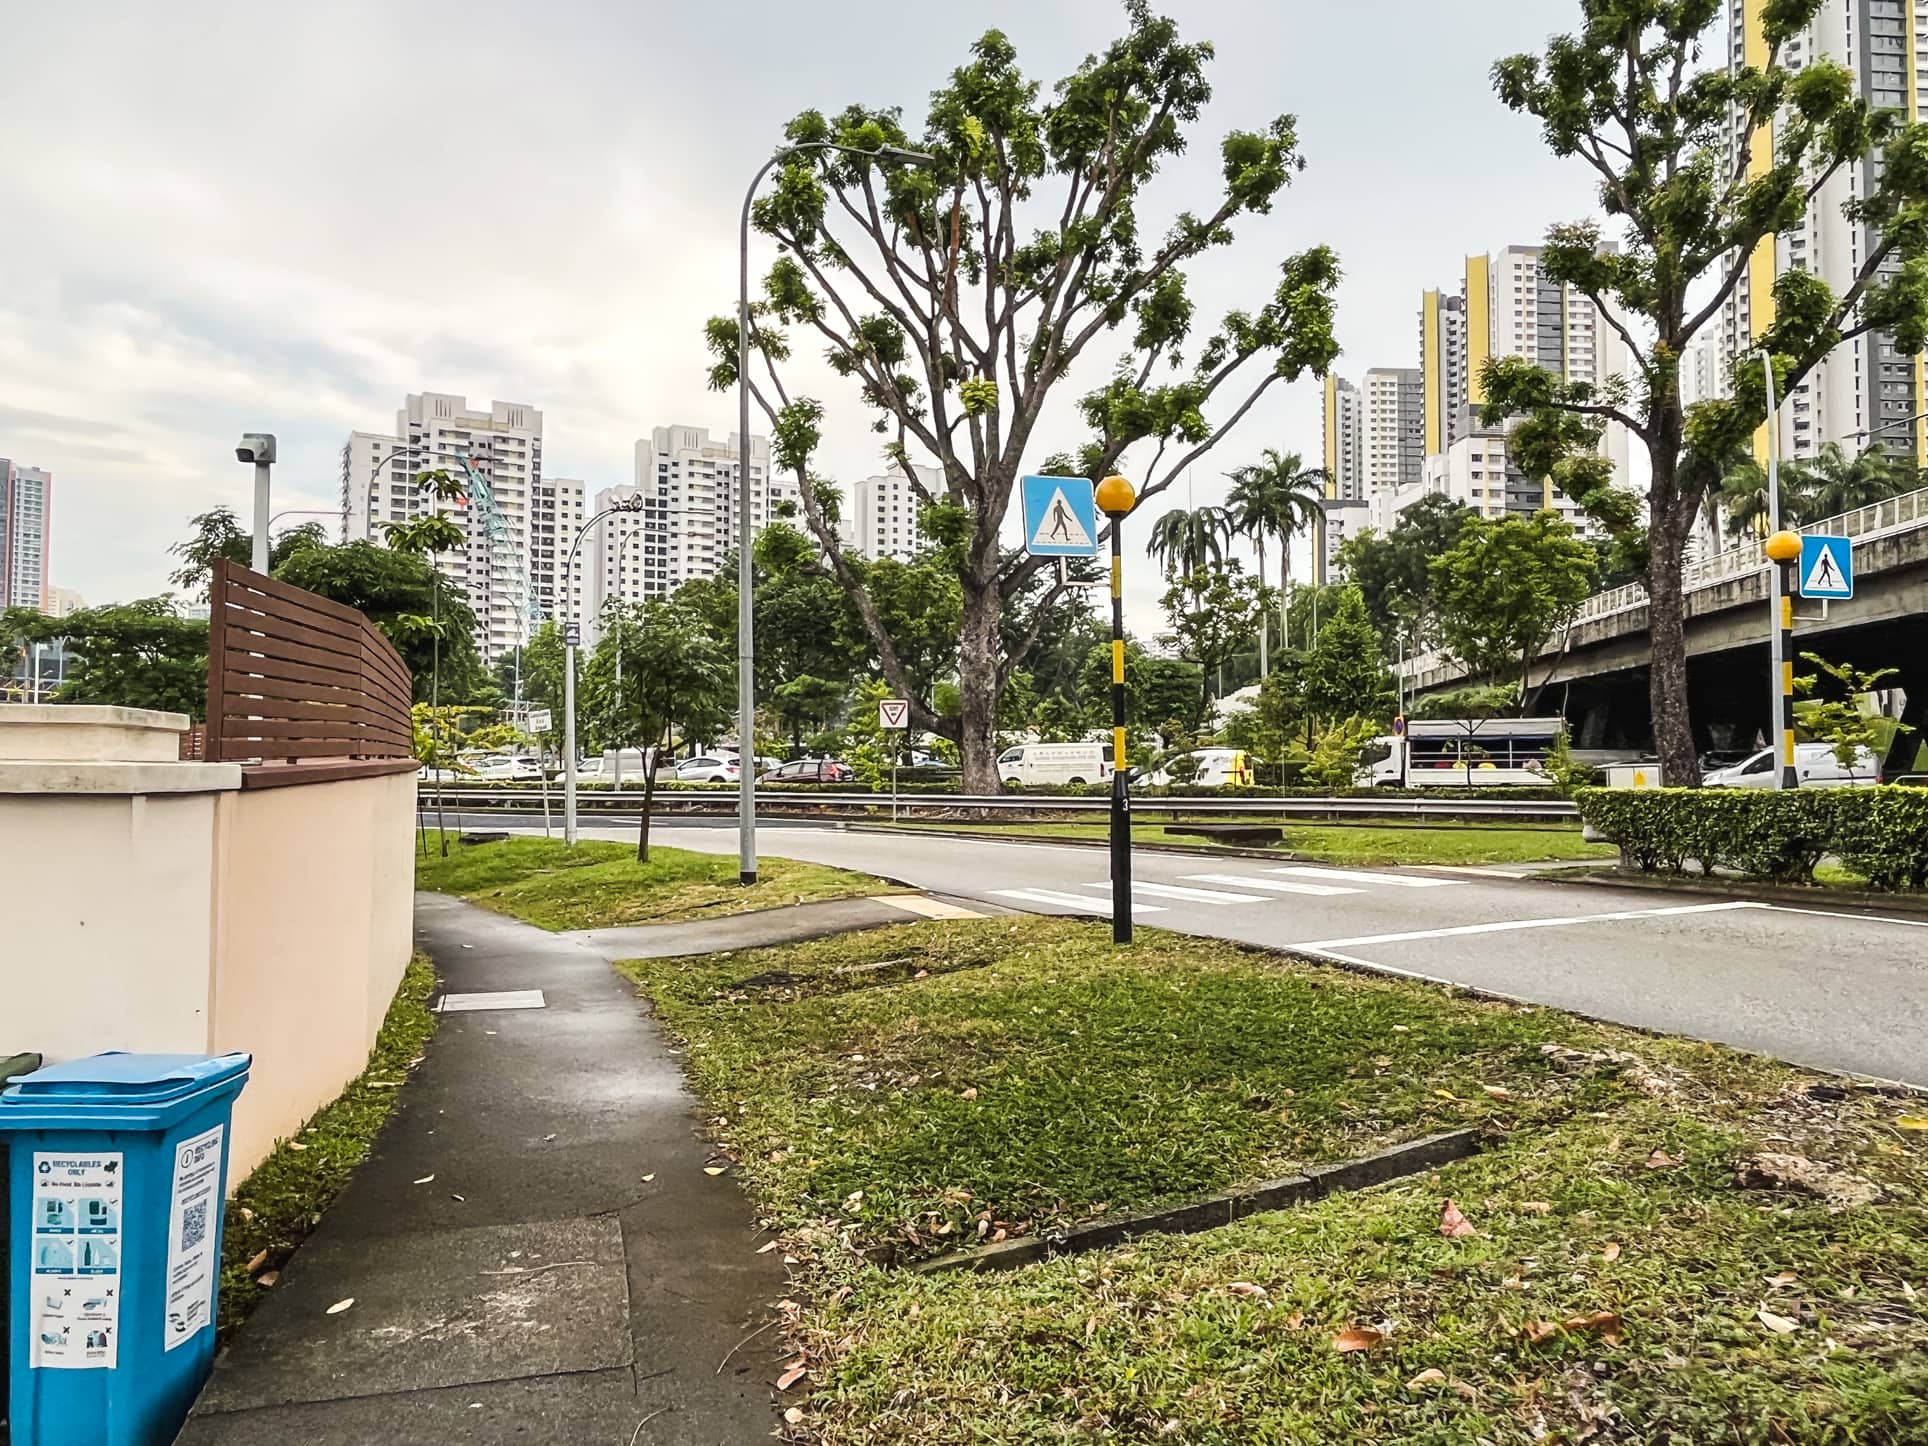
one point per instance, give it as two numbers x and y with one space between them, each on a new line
194 1225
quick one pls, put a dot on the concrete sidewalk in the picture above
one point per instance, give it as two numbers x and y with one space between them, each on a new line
533 1250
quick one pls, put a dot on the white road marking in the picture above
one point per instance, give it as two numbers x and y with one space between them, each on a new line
1070 901
499 999
1837 914
1198 896
1282 886
1507 925
925 907
1359 876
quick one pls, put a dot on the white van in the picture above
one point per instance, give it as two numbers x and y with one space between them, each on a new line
1462 753
1046 765
1814 764
1217 768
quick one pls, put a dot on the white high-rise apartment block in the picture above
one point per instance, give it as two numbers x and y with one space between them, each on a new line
1866 391
1477 472
1395 427
1345 440
1703 370
514 549
881 515
1514 309
1443 360
26 535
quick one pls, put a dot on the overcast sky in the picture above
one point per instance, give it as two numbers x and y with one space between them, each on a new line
229 217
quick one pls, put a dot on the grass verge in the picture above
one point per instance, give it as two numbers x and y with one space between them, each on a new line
1666 1241
285 1196
599 884
1363 844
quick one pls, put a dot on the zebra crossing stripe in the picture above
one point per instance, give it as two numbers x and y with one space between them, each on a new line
1081 902
1282 886
1173 891
1359 876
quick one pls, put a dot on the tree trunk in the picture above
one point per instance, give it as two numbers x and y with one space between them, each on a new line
1264 665
977 678
1667 628
649 797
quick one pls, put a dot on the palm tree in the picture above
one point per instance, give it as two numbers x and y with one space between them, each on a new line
1188 541
1276 497
1834 482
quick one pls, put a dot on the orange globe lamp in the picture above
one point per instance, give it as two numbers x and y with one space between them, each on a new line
1784 546
1116 496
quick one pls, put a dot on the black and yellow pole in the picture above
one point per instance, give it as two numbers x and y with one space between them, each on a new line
1783 550
1117 497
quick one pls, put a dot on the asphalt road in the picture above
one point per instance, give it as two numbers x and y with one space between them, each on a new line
1839 990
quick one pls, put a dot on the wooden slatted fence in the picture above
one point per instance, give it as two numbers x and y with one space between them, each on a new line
294 676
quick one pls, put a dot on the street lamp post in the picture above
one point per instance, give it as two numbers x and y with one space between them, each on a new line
631 504
745 530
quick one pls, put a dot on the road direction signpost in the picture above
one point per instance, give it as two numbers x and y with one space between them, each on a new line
1827 567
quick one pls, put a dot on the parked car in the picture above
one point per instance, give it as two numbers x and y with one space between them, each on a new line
1814 764
1046 764
605 770
1217 768
708 768
509 770
809 770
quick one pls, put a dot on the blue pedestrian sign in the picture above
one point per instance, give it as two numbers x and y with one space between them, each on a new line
1060 516
1827 567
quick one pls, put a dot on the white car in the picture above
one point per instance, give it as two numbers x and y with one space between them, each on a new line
1217 768
708 769
509 770
1814 764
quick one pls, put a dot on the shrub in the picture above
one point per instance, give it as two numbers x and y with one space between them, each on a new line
1881 833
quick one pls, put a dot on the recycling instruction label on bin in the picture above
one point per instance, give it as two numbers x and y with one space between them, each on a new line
194 1207
75 1271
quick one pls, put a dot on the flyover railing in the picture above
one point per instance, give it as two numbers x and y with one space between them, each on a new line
1891 514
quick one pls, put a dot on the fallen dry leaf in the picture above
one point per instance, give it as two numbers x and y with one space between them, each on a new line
714 1169
1537 1207
1430 1377
1785 1277
793 1415
1912 1122
266 1280
1295 1320
1539 1330
1602 1323
1453 1223
256 1261
767 1247
1359 1338
790 1377
246 1213
296 1145
425 1180
1497 1092
1661 1160
341 1305
1446 1095
969 1094
1247 1289
1840 1189
1779 1324
650 1176
1610 1252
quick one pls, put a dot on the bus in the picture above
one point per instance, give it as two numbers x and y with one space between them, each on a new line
1462 753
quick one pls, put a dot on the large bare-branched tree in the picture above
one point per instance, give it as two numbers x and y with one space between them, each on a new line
1700 166
957 296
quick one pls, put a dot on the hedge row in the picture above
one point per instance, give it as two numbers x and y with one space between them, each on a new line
1880 833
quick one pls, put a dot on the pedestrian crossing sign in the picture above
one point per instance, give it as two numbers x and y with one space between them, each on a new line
1060 516
1827 567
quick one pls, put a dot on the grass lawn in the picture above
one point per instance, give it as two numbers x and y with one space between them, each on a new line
1364 844
598 884
1633 1273
282 1200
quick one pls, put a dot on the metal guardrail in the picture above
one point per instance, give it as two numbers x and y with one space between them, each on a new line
1892 514
722 800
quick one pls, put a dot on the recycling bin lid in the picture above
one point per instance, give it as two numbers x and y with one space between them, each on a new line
125 1079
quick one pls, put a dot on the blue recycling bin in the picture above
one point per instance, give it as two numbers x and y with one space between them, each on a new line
118 1173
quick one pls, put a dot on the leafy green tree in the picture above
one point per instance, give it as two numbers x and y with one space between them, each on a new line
217 533
1506 587
1332 762
1344 673
1831 712
959 296
1269 728
141 654
1213 615
1627 97
673 671
1276 497
1393 572
1159 691
806 699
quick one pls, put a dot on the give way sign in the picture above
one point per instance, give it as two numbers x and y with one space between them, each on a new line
893 713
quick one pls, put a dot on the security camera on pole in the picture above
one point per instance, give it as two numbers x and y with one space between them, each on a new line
258 448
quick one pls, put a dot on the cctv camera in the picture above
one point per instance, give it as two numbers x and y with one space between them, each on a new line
256 447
